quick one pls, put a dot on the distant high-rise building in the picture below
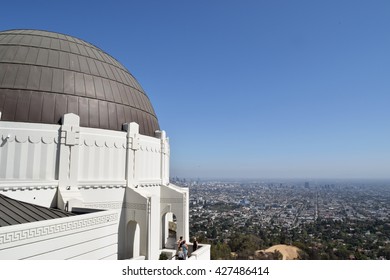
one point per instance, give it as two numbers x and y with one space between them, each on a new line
307 185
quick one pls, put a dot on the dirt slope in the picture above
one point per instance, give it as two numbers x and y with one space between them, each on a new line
288 252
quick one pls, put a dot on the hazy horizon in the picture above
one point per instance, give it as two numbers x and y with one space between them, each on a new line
286 180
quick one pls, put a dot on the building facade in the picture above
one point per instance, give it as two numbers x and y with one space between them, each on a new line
84 165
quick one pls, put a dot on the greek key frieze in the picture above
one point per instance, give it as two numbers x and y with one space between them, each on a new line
171 200
116 205
55 228
105 205
135 206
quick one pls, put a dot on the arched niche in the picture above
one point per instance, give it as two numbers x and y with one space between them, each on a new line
133 240
169 228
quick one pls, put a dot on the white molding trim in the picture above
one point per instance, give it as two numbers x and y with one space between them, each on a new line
40 231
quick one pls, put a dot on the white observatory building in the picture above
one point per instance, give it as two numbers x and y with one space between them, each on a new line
84 165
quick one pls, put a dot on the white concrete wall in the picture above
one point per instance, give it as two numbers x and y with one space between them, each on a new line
70 166
202 253
102 196
136 209
40 194
102 155
31 152
154 228
148 160
176 200
28 151
88 236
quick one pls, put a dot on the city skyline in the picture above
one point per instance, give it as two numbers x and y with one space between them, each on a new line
334 220
249 90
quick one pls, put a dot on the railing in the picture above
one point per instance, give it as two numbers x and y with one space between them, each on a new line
202 253
139 258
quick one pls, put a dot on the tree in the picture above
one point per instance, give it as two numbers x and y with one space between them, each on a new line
220 251
163 256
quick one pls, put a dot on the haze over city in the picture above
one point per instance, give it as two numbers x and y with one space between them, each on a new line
254 89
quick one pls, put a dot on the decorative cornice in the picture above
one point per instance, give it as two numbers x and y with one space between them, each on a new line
148 185
113 186
154 149
32 139
28 188
41 231
103 142
115 205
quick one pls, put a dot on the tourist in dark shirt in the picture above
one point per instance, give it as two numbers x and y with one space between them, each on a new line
194 245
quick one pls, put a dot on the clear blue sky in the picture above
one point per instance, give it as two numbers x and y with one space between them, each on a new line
250 89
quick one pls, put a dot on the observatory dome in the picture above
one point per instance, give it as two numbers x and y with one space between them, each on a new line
44 75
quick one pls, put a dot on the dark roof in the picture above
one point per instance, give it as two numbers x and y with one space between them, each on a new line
44 75
13 212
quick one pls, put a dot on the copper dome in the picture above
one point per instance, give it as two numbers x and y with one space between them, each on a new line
44 75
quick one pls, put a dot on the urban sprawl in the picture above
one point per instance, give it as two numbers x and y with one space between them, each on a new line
325 220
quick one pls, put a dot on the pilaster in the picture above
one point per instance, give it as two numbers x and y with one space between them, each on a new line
68 193
131 148
153 211
164 157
